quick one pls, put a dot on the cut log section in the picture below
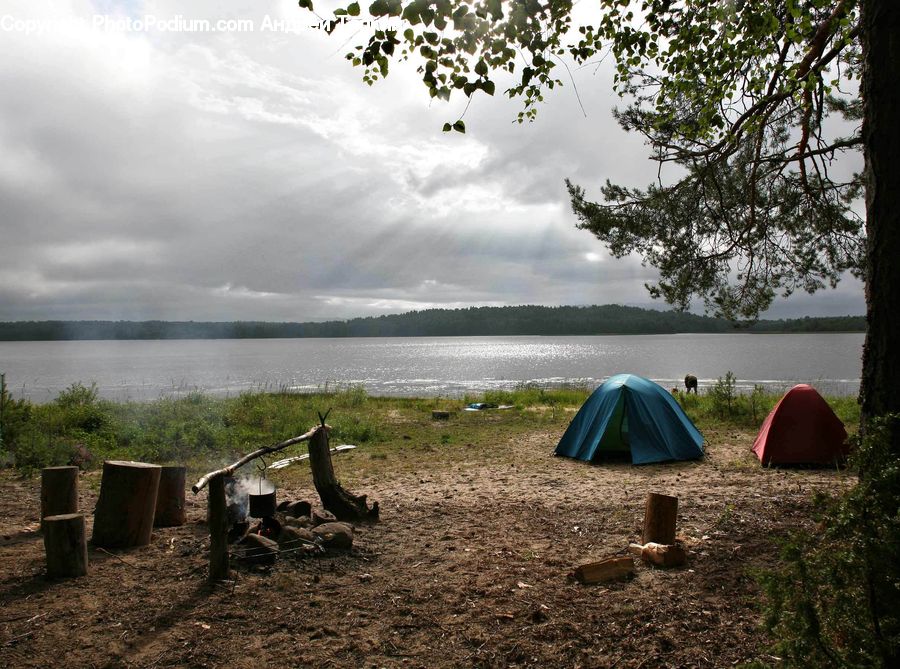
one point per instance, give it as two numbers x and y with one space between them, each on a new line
662 555
659 519
59 491
65 545
127 504
609 569
170 510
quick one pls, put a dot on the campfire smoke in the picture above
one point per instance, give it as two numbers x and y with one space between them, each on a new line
237 492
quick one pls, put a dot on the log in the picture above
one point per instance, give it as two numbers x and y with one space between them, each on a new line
660 514
170 511
218 530
343 504
229 470
662 555
440 415
259 550
59 491
65 545
127 504
608 569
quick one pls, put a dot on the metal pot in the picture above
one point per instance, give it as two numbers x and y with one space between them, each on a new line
262 505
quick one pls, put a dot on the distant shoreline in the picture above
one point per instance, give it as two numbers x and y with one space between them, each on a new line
472 322
427 336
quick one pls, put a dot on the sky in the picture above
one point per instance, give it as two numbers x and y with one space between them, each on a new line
154 172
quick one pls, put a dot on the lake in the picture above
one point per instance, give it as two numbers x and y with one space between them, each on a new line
426 366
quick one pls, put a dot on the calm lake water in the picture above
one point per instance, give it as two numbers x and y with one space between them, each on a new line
426 366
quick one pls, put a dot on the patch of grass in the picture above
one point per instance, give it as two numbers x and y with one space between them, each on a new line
397 434
743 464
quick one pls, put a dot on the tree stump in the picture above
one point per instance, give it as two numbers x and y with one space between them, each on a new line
170 511
65 545
127 504
59 491
344 505
659 519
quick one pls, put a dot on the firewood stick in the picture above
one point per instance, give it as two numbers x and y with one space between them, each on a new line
228 471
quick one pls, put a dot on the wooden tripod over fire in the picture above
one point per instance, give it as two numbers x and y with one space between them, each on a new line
343 504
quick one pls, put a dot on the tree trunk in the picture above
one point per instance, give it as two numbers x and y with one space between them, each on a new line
59 491
65 545
660 514
127 504
170 510
881 140
344 505
218 530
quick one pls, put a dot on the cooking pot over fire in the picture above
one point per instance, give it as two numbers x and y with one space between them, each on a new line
262 505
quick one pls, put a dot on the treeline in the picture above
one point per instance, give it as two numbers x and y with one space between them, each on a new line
474 321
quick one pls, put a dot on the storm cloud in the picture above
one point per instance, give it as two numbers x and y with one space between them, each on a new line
250 174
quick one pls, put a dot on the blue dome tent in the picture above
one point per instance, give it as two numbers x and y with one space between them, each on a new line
631 413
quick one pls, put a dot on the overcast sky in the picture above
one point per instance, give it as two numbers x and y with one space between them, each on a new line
250 174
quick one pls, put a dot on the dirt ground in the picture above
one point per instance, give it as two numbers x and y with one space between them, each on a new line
467 567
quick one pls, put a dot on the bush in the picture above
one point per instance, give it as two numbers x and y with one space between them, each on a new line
351 396
836 600
77 395
80 410
756 402
723 395
15 416
35 450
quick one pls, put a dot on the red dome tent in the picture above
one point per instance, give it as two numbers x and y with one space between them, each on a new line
801 429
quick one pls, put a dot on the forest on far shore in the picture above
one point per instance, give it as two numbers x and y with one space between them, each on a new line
473 321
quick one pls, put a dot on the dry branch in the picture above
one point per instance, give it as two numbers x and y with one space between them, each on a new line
229 470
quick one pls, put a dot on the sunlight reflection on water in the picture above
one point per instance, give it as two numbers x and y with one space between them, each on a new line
427 366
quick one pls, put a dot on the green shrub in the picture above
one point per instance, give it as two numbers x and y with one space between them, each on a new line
35 450
15 416
723 395
351 396
835 601
76 395
756 403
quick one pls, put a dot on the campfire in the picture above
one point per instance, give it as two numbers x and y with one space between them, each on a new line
260 531
290 528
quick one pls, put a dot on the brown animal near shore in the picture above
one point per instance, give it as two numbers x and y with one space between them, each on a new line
690 382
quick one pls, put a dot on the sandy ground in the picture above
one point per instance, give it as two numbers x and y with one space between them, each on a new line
468 567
